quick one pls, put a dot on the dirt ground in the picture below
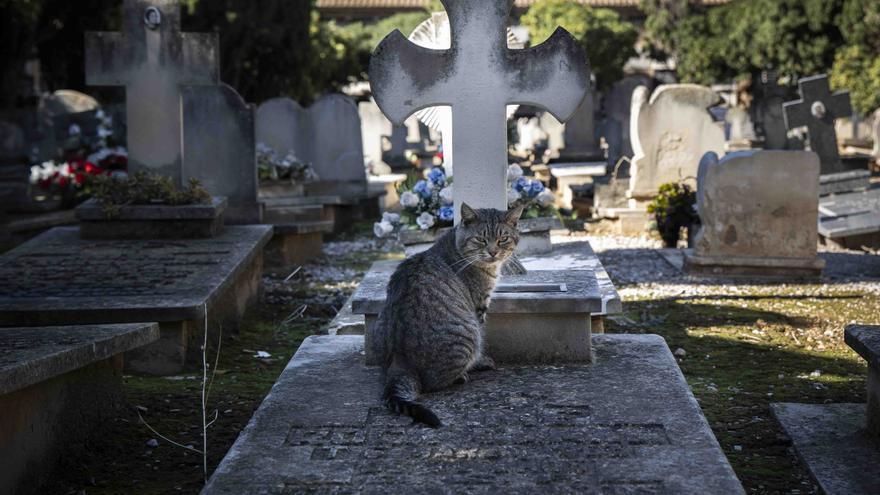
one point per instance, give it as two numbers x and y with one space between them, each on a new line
745 346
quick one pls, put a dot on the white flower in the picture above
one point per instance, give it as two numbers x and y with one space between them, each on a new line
391 218
409 199
514 172
545 198
446 195
74 130
383 228
512 196
425 221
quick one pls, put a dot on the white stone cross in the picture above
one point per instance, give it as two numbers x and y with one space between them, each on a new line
152 59
478 77
817 109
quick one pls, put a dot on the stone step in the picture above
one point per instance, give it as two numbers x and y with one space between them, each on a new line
626 423
284 214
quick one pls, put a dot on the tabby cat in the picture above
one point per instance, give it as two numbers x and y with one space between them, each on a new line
430 332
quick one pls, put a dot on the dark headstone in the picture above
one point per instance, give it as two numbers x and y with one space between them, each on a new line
817 110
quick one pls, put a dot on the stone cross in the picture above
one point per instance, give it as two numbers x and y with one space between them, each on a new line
817 109
153 60
478 77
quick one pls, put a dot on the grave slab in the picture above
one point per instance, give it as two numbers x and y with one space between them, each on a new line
58 278
851 220
626 424
865 340
831 441
58 385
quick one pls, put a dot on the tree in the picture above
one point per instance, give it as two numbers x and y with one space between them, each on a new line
608 40
857 65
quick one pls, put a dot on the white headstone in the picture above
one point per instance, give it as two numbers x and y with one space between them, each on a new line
669 134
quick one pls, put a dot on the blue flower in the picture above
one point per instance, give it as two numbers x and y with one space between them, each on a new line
535 188
437 176
447 213
422 189
521 183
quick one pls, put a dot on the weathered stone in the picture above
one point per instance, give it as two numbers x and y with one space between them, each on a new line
865 340
830 440
297 243
58 386
59 278
152 221
219 149
618 108
843 182
521 327
758 215
153 64
574 174
851 220
478 76
817 110
670 132
626 423
581 144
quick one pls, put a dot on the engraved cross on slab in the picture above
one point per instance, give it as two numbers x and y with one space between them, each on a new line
478 77
152 59
817 109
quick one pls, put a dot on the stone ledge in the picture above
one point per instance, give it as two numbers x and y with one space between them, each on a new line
304 227
627 423
739 266
830 440
865 340
91 210
33 355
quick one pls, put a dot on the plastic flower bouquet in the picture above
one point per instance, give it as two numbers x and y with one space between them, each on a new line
271 166
427 204
521 190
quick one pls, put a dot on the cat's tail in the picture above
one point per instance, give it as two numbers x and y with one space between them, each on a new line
401 391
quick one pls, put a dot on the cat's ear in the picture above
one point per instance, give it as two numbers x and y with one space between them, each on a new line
512 216
468 215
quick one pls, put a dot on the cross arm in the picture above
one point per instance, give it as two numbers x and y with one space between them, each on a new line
840 105
405 77
106 64
795 113
554 75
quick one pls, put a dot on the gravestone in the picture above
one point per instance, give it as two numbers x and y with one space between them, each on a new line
153 60
59 386
618 108
670 133
766 110
817 110
219 148
374 126
553 75
327 135
580 134
851 220
742 130
758 215
840 443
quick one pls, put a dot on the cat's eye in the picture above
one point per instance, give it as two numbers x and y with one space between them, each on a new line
480 241
504 239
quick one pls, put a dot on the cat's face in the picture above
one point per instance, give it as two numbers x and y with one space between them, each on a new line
487 236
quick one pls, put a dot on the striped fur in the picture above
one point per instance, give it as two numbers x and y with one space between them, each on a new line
430 332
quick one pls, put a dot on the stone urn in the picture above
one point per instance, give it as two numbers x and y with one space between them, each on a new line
534 236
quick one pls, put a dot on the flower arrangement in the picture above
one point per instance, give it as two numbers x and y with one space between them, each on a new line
272 167
673 208
72 175
427 203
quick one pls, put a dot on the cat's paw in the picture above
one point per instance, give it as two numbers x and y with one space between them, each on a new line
461 380
485 363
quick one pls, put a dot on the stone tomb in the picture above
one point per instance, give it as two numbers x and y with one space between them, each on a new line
840 443
58 278
626 424
758 214
817 110
58 386
851 220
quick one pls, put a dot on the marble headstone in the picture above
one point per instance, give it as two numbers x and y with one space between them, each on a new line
479 76
153 60
219 148
670 132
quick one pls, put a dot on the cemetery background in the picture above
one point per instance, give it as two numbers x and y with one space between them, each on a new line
745 345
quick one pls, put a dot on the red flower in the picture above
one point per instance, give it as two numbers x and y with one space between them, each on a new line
79 178
89 167
63 181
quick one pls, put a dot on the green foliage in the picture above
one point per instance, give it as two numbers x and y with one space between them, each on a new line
857 66
365 37
673 208
608 40
145 189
